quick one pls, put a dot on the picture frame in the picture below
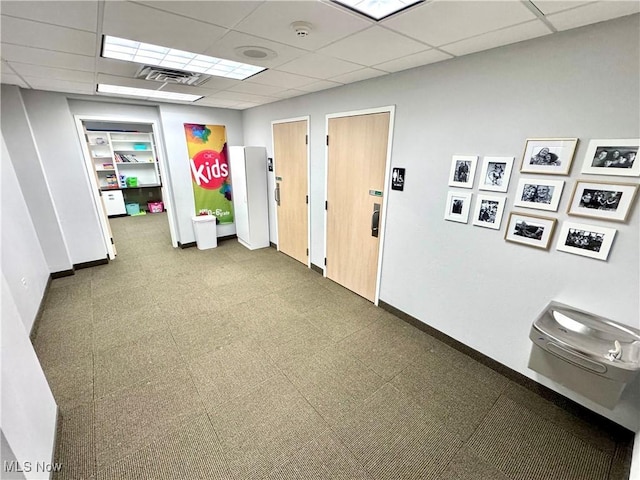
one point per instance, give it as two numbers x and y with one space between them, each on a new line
587 240
495 173
530 230
463 171
602 200
537 193
458 206
548 155
488 211
612 157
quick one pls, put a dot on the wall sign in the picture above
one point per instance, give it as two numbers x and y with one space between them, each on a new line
207 146
397 179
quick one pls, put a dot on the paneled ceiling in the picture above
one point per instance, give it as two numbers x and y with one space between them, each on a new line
55 45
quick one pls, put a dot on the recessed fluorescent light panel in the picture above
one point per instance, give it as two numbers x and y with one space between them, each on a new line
143 92
377 9
149 54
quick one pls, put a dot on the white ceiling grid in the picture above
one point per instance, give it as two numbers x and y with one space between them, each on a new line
55 45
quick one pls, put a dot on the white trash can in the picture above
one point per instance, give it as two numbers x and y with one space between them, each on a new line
204 228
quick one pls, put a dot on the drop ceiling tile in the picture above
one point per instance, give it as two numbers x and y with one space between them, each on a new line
117 67
128 82
372 46
186 89
358 75
225 48
144 24
28 70
17 31
282 79
320 85
219 83
290 93
412 61
593 13
256 89
273 20
243 97
553 6
215 102
319 66
61 85
47 58
441 21
224 14
81 15
12 79
498 38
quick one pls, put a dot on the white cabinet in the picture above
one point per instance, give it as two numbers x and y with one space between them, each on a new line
249 182
114 203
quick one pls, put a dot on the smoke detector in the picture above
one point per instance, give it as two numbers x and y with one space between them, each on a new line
302 29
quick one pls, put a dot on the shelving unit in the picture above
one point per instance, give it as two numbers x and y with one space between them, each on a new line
118 156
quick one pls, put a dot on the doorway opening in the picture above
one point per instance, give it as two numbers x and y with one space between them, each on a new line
125 166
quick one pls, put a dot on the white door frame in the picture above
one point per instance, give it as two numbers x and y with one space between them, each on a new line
391 109
307 118
93 183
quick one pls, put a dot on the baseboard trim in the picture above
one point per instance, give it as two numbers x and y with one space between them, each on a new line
227 237
93 263
273 245
316 268
63 273
36 322
54 453
187 245
552 396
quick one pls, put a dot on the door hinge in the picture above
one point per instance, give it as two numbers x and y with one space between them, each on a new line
307 252
325 261
307 199
112 241
326 205
327 139
306 139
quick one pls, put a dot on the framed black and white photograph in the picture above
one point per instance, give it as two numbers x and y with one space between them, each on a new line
587 240
495 173
488 211
463 171
539 194
458 204
530 230
613 157
548 155
608 201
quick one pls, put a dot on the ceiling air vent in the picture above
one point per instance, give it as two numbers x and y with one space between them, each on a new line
168 75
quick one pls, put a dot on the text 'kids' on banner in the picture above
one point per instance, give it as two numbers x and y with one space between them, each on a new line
207 145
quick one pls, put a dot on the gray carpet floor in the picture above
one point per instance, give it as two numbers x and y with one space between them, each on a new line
235 364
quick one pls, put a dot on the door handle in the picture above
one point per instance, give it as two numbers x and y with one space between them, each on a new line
375 220
276 194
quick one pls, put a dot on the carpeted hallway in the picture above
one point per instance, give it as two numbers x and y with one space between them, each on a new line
237 364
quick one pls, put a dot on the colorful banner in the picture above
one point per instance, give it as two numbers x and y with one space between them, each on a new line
207 145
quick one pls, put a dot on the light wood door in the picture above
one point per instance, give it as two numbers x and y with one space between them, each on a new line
357 154
290 152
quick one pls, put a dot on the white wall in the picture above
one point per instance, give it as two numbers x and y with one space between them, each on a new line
65 170
20 144
28 416
464 280
635 460
173 118
23 261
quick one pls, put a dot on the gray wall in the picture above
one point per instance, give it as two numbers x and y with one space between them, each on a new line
28 417
20 143
66 173
464 280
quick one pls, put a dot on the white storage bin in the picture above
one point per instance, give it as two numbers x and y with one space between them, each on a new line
205 231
